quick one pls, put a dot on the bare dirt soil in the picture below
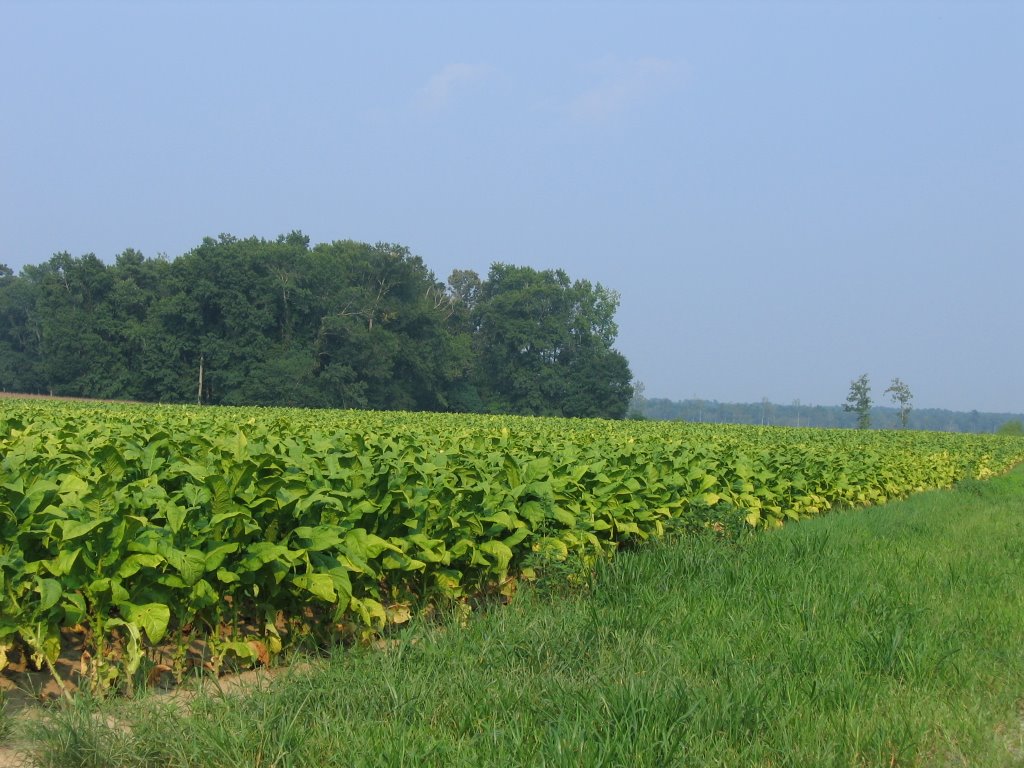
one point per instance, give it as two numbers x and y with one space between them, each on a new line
29 692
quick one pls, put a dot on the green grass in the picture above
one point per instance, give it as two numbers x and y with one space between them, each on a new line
891 636
6 724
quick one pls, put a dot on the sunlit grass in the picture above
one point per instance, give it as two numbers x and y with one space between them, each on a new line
891 636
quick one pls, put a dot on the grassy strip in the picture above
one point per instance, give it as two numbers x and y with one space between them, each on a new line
892 636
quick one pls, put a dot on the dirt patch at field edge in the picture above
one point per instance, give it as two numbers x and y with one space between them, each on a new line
16 755
11 758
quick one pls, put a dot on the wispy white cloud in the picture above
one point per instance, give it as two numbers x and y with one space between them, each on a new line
625 84
440 89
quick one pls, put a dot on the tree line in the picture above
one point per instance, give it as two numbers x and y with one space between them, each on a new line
859 403
798 414
342 324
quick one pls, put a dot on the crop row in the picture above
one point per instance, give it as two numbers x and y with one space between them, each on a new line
148 525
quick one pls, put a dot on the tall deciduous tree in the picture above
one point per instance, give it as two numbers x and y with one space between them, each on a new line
901 397
381 339
858 401
545 345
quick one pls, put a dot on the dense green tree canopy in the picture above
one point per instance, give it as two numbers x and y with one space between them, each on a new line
545 345
341 324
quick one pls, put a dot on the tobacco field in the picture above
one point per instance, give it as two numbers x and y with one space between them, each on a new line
144 526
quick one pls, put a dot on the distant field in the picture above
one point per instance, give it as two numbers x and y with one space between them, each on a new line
24 396
134 531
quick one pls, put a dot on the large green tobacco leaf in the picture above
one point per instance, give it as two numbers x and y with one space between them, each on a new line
190 564
320 585
153 618
73 529
50 592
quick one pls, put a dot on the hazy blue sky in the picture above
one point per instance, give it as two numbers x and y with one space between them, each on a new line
786 195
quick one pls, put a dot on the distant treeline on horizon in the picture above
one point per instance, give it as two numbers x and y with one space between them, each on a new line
824 416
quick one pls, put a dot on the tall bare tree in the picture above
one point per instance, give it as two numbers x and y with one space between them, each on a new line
901 396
